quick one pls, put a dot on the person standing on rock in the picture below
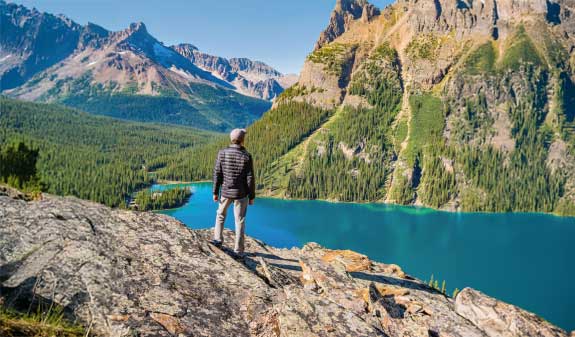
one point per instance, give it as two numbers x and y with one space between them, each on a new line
234 175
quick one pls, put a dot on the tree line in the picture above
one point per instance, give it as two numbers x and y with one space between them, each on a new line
92 157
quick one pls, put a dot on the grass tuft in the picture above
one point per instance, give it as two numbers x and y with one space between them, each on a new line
434 283
47 321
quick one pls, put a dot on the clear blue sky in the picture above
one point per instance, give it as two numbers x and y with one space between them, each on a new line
280 33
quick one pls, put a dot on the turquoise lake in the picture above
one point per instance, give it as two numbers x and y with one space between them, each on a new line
525 259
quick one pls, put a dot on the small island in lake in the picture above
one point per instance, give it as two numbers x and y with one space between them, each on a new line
148 200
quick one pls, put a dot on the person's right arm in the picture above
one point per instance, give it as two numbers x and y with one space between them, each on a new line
218 176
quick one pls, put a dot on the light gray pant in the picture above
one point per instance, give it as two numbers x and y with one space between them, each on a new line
240 210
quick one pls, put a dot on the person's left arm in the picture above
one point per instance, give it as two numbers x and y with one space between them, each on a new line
251 180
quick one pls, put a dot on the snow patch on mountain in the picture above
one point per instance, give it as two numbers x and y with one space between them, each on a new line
181 72
162 52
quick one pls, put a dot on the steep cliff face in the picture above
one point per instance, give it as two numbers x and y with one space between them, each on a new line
438 103
121 273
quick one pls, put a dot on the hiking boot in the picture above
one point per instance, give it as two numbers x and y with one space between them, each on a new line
240 257
216 243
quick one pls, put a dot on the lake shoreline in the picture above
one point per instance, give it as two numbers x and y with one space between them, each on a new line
176 182
421 207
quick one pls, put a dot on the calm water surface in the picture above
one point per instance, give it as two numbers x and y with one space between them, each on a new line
525 259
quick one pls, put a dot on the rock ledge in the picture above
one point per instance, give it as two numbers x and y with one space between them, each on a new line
123 273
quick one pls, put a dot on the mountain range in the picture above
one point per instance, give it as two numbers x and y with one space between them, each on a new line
459 105
129 74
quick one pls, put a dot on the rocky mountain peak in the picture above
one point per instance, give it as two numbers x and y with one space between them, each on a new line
92 35
137 39
353 7
136 31
245 64
92 27
69 22
185 49
344 13
31 41
137 27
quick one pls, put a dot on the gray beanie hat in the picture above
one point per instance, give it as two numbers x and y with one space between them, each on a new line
237 135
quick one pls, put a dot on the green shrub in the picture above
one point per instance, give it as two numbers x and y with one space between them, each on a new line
18 167
297 90
47 320
384 52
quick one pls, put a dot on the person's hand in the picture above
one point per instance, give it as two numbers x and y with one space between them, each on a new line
216 198
251 202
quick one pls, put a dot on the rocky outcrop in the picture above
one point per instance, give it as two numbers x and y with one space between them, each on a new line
313 75
499 319
122 273
344 13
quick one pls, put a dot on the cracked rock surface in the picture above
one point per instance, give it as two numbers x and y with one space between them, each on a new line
123 273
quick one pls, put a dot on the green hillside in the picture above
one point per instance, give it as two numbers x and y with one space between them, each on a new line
96 158
275 134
